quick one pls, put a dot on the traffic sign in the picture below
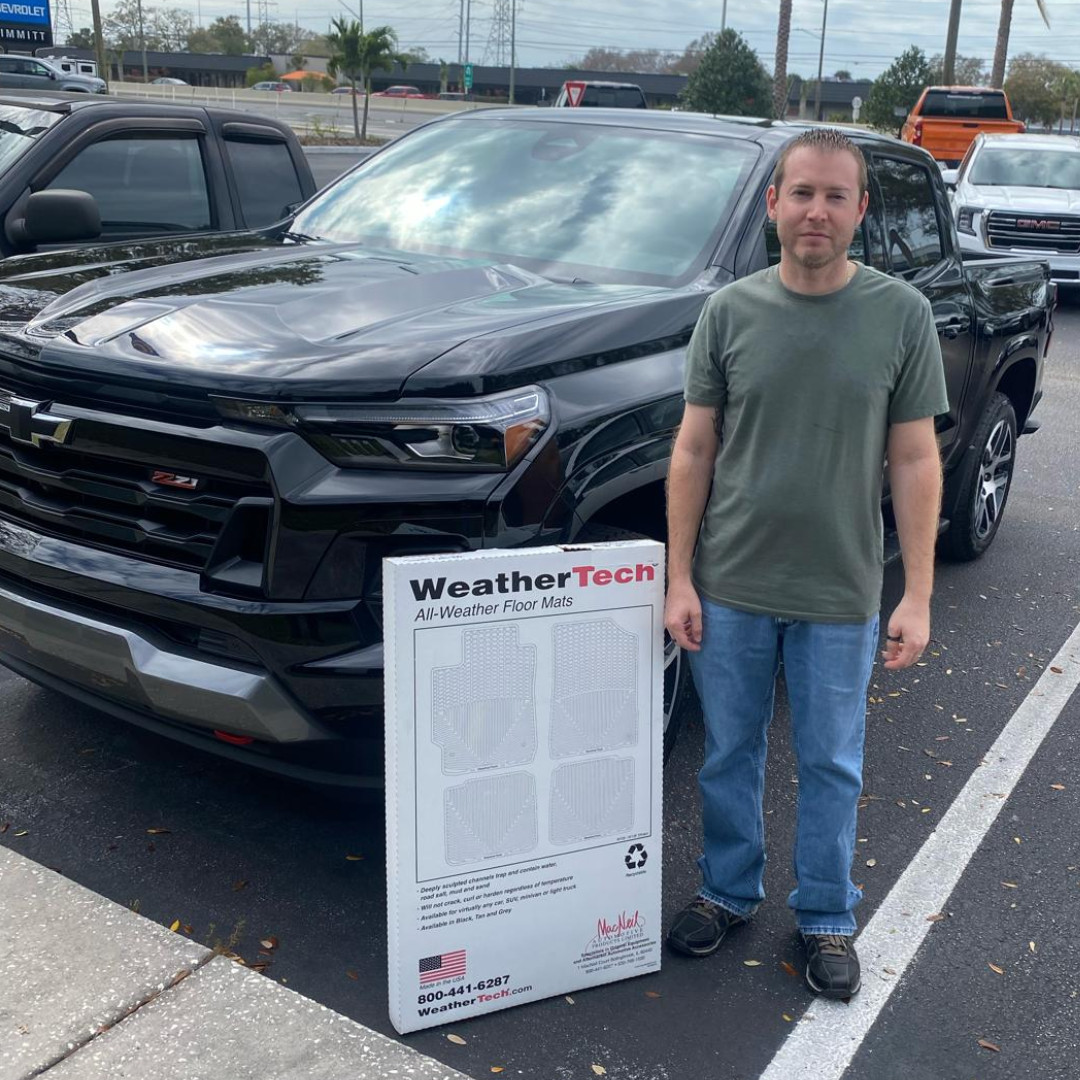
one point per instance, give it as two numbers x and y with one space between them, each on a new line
575 91
468 77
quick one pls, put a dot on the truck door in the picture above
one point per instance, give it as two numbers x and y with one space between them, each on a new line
917 252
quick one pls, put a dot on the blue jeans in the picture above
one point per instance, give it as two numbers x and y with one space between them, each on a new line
827 670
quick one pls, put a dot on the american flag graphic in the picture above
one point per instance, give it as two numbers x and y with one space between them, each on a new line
444 966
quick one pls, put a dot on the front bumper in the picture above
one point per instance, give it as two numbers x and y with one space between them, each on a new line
1064 269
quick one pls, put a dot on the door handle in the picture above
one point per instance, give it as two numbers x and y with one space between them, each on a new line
954 327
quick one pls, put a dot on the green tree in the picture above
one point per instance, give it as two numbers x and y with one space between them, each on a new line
967 71
83 38
1035 86
124 30
897 87
298 61
174 27
279 38
780 79
356 55
730 79
254 75
843 75
229 35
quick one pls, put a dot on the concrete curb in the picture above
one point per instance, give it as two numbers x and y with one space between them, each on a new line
89 989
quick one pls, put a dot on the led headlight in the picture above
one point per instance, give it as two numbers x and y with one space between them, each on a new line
490 433
965 219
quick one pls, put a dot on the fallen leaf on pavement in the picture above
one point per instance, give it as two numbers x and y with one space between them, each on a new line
935 918
1010 885
889 971
651 993
4 826
789 969
1056 670
752 963
269 943
457 1040
353 975
1058 787
987 1045
23 832
157 832
175 926
994 967
569 1001
871 862
1031 946
496 1068
354 858
599 1070
238 885
786 1017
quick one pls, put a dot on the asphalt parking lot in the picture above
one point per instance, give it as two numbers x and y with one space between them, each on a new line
993 992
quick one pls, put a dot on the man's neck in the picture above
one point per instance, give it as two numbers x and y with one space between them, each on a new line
817 281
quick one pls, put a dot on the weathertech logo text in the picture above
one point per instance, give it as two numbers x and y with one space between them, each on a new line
517 582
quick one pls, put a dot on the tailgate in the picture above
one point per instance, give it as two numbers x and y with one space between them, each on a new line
948 140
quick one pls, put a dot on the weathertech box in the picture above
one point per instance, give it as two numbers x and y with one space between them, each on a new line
524 750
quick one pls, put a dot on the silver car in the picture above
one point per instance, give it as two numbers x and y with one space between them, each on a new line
1020 195
32 73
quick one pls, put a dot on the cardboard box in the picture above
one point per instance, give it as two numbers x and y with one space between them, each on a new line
524 766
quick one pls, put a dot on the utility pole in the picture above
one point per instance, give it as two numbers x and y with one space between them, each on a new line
513 46
142 43
723 17
468 20
99 40
820 64
249 17
461 32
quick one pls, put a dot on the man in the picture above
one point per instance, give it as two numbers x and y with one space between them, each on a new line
800 380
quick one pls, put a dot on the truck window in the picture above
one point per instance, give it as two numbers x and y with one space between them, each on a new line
143 182
909 210
965 104
266 179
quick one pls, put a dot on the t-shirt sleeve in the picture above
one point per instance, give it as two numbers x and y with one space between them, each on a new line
920 390
705 383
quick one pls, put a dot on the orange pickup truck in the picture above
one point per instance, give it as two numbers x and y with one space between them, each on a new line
946 119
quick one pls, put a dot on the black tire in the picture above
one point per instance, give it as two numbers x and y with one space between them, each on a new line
976 493
679 694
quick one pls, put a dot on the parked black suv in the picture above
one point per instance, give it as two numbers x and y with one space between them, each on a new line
473 340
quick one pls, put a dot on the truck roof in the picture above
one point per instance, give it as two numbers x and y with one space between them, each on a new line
1042 142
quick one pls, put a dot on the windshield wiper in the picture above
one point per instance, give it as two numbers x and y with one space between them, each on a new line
303 238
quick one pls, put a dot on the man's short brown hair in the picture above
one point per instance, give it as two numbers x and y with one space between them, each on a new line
824 140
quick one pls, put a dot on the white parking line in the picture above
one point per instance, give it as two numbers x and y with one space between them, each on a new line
823 1050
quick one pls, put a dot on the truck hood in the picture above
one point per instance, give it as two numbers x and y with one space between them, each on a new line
242 315
1033 200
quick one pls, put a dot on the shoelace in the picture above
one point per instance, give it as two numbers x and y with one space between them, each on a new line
832 944
705 907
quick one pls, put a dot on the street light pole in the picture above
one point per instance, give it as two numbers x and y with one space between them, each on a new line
723 17
820 64
99 40
468 20
142 42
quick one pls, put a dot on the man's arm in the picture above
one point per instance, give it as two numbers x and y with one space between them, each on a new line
915 481
689 477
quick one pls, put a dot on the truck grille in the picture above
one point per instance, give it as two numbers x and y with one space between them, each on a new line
1054 233
114 503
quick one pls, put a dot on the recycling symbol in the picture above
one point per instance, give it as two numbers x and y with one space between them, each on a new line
636 857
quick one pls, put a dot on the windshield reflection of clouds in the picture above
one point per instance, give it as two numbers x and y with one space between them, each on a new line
642 203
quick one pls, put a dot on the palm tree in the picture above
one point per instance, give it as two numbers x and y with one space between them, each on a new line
780 79
949 66
997 76
356 55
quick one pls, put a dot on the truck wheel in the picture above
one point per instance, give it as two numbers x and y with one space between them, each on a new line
679 695
975 494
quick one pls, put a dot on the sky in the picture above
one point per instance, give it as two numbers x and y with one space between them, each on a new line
862 36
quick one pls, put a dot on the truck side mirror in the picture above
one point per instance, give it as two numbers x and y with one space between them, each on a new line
949 178
60 216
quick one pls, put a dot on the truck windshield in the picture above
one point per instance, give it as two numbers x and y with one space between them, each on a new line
600 203
1023 166
966 104
19 128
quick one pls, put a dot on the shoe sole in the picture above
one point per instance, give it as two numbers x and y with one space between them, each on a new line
835 995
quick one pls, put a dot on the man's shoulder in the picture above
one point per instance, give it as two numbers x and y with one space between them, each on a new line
892 290
736 292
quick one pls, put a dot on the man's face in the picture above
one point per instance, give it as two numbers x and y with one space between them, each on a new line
818 207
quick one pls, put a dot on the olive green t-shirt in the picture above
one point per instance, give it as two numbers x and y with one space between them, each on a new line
807 387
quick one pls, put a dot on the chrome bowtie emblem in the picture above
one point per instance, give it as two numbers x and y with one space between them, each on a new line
31 422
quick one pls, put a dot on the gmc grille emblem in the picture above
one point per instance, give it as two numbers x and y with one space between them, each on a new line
1036 223
31 422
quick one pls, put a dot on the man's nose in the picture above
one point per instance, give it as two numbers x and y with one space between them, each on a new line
818 209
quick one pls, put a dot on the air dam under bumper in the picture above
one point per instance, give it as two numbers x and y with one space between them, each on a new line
122 666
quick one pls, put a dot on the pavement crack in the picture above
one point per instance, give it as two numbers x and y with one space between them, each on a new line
172 983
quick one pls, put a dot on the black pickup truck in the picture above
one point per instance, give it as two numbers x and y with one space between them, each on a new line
475 339
79 167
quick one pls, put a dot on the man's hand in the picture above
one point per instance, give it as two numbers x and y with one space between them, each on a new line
682 615
908 633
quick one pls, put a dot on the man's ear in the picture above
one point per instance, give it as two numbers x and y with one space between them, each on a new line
770 201
864 202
